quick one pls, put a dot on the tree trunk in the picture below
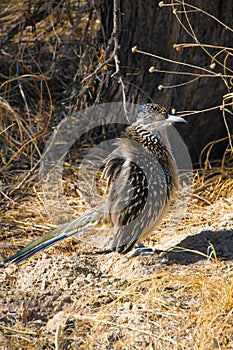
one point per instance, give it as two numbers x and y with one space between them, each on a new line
155 30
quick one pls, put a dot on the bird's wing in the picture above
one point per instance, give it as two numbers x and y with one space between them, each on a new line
125 181
132 205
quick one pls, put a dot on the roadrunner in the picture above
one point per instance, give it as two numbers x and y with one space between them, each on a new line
142 180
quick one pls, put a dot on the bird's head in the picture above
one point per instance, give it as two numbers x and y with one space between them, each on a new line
154 116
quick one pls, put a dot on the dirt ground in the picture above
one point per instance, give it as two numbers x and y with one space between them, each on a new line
56 60
72 297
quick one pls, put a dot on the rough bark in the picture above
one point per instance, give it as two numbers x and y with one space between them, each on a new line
155 30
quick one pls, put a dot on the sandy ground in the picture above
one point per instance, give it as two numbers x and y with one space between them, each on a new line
72 297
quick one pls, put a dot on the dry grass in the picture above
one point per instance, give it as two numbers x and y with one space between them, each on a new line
68 298
172 309
71 298
40 77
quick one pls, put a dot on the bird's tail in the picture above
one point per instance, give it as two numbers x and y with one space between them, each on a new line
59 233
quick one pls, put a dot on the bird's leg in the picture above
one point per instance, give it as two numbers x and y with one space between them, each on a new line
142 250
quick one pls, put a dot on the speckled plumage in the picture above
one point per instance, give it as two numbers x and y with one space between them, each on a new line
142 180
152 178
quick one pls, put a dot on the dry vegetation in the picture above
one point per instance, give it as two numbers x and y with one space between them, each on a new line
71 297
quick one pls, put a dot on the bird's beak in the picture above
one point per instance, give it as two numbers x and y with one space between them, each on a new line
174 119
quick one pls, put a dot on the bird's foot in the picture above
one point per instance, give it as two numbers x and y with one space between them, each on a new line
142 250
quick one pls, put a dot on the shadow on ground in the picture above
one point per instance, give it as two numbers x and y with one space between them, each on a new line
219 243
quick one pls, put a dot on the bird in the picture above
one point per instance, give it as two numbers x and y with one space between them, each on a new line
141 178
